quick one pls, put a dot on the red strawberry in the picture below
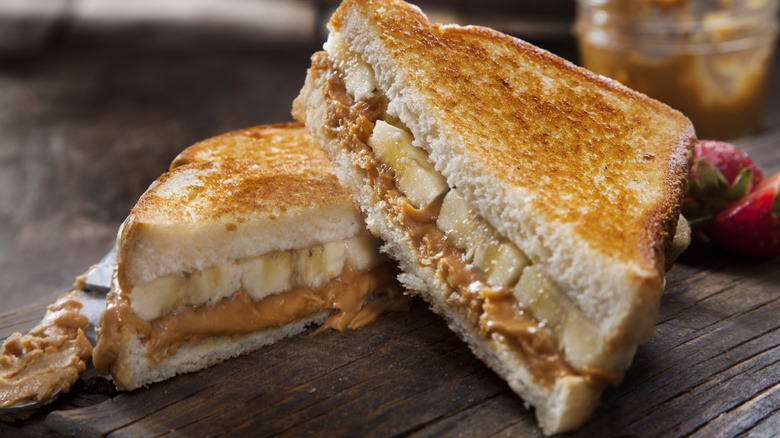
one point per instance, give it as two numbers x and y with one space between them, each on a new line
750 226
721 174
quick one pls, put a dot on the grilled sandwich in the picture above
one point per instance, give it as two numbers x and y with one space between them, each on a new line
249 238
530 202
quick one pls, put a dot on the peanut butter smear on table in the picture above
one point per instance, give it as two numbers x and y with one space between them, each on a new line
50 357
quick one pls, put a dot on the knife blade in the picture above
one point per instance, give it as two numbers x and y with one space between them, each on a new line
98 278
94 289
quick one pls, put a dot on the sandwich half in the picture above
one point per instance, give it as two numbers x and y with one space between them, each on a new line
531 203
249 238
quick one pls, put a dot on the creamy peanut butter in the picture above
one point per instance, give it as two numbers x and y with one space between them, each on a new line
495 312
239 314
48 358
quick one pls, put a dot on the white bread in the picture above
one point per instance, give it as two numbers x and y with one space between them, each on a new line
135 369
562 408
597 278
248 239
582 174
165 234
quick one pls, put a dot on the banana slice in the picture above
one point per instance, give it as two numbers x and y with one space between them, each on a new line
268 274
581 343
541 297
214 283
415 176
577 336
460 224
499 259
316 265
161 295
502 262
362 252
358 75
260 276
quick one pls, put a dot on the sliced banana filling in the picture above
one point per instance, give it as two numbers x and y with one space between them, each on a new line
500 263
260 276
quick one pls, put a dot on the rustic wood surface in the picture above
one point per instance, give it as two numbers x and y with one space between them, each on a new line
90 117
713 369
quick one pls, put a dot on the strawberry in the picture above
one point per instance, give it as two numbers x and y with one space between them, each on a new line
721 174
750 226
727 159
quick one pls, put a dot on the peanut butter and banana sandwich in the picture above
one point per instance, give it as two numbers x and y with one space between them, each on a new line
533 204
249 238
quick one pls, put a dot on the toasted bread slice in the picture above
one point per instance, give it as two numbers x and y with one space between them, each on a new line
212 261
239 195
531 202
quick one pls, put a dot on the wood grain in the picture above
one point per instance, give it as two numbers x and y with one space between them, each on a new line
82 150
712 369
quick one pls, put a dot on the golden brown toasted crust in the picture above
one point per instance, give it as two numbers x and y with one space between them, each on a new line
264 169
582 174
251 144
224 194
586 150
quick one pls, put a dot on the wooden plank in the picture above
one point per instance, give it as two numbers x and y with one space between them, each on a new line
753 412
713 366
695 347
299 383
710 397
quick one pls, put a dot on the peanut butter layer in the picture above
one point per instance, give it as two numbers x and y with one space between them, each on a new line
495 313
49 358
239 314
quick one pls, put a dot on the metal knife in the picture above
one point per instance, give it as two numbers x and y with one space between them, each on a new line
94 290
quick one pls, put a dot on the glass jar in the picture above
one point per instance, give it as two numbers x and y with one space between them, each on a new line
710 59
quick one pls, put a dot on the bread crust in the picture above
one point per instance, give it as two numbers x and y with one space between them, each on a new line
562 406
583 174
235 195
240 194
134 369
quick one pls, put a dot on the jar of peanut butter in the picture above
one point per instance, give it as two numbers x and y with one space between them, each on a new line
710 59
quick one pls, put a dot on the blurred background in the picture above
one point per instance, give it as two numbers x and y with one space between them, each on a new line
98 96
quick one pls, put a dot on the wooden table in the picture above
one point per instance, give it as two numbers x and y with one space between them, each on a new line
91 120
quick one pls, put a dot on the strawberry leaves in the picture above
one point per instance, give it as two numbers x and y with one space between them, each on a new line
721 174
711 192
728 201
